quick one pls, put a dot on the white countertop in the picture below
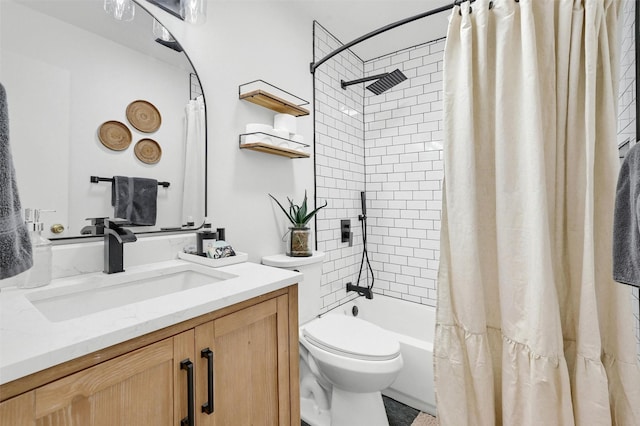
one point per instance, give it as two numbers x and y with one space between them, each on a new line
29 342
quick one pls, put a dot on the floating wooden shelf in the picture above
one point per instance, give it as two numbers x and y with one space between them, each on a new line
272 144
272 149
268 100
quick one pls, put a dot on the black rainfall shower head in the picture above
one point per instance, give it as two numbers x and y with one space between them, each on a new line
385 81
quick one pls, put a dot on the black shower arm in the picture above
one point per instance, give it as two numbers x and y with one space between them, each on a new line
374 33
344 84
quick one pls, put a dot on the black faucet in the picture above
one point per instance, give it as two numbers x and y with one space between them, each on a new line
114 238
96 227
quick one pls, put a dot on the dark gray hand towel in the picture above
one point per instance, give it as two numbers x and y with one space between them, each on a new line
15 245
135 199
626 232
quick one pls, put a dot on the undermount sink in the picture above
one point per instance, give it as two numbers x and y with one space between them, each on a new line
78 297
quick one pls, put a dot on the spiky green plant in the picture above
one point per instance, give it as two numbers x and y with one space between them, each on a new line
298 215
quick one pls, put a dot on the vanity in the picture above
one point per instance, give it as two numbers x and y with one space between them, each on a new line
219 350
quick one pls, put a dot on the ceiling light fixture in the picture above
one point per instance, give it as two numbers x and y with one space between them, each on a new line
161 32
121 10
193 11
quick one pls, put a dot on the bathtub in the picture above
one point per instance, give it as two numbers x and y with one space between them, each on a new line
413 325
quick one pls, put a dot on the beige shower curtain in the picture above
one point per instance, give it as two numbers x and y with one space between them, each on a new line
531 329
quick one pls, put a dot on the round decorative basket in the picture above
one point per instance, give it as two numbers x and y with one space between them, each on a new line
148 151
144 116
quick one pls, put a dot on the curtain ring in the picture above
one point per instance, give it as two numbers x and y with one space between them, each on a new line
459 3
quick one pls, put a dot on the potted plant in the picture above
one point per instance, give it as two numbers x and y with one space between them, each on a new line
299 234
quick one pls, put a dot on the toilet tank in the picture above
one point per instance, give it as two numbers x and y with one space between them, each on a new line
309 288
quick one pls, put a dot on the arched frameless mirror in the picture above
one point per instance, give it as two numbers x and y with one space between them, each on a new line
68 67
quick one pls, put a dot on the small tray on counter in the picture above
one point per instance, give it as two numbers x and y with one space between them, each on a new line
214 263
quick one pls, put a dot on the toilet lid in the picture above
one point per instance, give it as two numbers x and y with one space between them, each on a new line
352 337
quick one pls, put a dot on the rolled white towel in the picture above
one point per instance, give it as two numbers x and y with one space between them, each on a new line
282 138
258 138
297 138
285 122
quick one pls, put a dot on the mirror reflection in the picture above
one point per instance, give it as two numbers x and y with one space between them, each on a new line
70 70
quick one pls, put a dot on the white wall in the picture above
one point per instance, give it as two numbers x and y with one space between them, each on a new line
242 41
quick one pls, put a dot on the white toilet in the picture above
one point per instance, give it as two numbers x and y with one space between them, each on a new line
344 361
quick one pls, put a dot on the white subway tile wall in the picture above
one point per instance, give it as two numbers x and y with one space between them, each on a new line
404 171
627 108
392 143
340 170
627 88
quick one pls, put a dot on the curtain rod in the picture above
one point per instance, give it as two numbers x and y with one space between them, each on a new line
391 26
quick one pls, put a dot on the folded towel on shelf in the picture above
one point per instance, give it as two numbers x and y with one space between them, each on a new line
135 199
15 244
626 231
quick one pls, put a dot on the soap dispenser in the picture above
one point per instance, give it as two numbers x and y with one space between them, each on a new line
40 272
205 238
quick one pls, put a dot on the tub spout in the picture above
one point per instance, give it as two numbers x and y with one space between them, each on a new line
362 291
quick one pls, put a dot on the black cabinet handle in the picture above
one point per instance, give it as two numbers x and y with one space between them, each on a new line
207 407
189 420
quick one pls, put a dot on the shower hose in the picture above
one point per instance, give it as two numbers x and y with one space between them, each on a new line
365 254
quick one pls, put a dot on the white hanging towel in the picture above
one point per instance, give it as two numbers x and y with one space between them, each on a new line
193 198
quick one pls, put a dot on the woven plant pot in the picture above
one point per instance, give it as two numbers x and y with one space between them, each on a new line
299 244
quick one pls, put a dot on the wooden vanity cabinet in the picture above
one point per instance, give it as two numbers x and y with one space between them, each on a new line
250 348
133 389
254 373
18 410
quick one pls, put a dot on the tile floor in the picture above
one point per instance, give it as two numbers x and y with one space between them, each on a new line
397 413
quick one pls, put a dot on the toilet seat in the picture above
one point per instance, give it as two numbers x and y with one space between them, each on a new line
351 337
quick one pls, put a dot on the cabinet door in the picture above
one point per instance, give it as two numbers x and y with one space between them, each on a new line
133 389
18 411
251 366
